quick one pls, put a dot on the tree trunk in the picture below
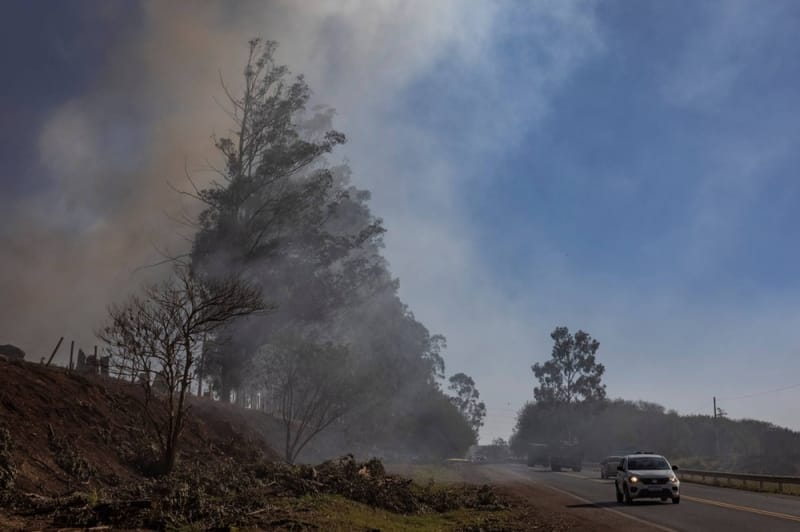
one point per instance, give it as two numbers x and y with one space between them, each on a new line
170 456
225 391
288 449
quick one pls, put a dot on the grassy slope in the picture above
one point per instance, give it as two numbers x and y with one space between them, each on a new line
336 513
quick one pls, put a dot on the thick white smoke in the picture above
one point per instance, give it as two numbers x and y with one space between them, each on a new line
150 115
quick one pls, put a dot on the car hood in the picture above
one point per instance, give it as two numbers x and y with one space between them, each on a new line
652 473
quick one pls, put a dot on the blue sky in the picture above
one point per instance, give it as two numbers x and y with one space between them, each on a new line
616 175
623 167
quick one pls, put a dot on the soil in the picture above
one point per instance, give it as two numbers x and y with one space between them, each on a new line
72 432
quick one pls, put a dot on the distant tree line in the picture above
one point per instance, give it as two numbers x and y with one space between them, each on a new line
570 403
618 426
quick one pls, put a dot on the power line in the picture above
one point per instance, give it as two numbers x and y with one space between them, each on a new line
761 393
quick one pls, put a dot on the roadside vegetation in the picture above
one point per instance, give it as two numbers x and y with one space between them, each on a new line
227 477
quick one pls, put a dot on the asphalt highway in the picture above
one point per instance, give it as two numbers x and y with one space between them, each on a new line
702 508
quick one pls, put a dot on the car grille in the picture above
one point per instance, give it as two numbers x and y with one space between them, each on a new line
662 480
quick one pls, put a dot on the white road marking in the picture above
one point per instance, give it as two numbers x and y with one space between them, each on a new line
720 504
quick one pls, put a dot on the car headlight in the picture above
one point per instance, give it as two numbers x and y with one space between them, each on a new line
634 479
673 478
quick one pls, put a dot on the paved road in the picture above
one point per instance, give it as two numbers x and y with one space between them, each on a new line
702 508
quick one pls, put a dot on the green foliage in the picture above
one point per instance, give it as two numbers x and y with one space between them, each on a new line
694 441
271 175
433 428
296 227
572 374
293 224
421 424
466 399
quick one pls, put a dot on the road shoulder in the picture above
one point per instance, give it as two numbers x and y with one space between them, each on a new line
533 504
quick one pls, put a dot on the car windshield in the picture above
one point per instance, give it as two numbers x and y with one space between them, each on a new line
647 463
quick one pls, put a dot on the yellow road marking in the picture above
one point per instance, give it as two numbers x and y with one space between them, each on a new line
750 509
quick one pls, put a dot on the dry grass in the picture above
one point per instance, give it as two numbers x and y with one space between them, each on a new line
336 513
425 473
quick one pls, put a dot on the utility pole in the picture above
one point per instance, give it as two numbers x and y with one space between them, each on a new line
716 429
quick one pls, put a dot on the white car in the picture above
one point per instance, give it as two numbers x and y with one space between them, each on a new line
646 476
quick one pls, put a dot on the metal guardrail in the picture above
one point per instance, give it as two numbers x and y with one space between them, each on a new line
744 477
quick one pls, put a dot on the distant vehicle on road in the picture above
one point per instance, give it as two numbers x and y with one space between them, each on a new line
608 466
556 455
646 476
538 454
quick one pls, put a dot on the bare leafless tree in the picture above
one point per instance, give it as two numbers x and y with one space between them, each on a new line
314 385
158 335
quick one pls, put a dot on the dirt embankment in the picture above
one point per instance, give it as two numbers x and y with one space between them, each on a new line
70 432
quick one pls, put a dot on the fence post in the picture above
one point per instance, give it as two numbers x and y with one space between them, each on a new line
54 351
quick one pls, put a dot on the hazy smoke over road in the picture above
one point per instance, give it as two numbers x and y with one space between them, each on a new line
110 155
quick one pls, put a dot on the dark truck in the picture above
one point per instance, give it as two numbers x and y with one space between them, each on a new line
556 455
